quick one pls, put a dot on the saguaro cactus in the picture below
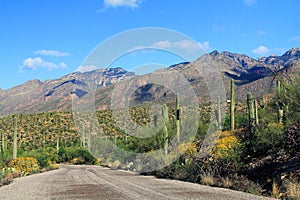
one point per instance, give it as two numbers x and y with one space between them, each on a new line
232 106
251 114
89 141
256 112
165 129
57 143
3 142
178 113
15 139
264 104
219 116
83 142
280 103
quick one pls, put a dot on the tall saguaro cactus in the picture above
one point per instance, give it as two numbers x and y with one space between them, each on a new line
256 112
280 103
264 102
15 138
83 138
165 129
178 116
232 106
89 141
3 142
219 116
251 114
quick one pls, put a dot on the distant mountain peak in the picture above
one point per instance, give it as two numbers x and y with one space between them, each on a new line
293 52
214 53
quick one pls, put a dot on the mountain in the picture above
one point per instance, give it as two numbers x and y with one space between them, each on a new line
55 95
254 75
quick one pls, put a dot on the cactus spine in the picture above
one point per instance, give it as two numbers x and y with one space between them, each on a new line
178 113
165 129
15 138
232 105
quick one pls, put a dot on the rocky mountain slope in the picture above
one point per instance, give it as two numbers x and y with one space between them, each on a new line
249 74
54 95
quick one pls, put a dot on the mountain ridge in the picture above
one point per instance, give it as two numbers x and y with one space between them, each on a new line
250 74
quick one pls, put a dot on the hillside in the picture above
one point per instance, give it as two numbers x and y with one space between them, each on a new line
56 95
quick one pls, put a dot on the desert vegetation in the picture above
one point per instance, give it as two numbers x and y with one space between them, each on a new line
257 151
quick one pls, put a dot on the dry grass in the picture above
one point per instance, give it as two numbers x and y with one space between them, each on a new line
115 165
293 189
275 190
227 182
207 178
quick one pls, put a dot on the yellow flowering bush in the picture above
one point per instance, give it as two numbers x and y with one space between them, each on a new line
188 149
25 165
226 141
77 161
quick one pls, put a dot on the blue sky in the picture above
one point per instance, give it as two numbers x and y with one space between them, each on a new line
45 39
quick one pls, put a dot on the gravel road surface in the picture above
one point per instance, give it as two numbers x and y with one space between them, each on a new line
93 182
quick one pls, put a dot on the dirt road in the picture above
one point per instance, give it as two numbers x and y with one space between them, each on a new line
92 182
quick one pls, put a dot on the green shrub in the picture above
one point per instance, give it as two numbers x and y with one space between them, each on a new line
45 157
291 141
268 137
82 155
241 120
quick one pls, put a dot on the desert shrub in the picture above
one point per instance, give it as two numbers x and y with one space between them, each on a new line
265 138
53 166
77 161
82 154
291 140
268 137
44 157
4 178
225 145
242 183
25 165
115 165
241 120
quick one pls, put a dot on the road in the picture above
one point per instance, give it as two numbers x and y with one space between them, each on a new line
93 182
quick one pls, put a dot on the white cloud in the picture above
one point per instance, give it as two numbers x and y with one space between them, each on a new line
265 51
261 32
51 53
261 51
34 63
120 3
162 44
205 46
295 39
86 68
249 2
187 45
